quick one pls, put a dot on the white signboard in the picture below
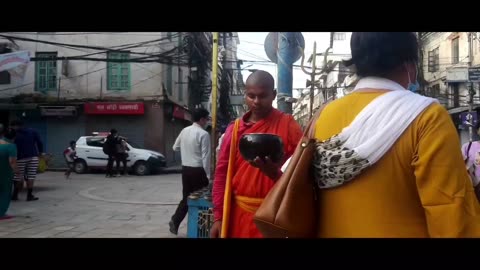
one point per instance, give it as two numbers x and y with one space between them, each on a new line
457 74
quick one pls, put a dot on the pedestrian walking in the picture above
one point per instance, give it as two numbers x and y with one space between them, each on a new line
194 145
110 149
70 154
471 155
29 149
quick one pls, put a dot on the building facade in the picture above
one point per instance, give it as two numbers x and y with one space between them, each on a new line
143 84
330 84
445 59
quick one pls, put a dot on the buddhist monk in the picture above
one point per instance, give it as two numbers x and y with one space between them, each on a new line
251 179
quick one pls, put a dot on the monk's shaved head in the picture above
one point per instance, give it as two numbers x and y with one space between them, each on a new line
260 79
260 93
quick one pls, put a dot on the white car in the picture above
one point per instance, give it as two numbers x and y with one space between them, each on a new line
90 155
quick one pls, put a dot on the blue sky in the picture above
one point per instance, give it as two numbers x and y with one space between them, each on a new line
251 48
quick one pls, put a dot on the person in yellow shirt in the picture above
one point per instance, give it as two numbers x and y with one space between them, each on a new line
387 161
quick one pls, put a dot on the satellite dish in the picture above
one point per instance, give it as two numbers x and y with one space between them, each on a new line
271 46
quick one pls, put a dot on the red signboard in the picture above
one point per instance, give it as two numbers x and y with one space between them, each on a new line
124 108
181 113
178 112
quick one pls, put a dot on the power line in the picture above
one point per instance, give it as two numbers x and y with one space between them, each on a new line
249 53
165 57
48 81
82 33
251 42
81 46
154 75
79 75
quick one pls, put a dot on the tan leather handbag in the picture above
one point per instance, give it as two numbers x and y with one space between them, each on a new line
290 208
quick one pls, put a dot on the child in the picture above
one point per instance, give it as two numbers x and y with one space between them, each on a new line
70 155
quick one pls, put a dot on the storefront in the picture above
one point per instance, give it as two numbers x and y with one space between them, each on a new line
126 117
64 124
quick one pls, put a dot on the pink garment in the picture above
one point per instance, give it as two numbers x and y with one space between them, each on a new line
474 158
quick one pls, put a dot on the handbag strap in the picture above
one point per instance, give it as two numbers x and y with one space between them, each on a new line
227 197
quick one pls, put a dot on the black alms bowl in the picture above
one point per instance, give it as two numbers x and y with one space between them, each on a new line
254 145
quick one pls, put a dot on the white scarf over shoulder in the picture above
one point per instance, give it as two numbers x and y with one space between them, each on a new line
378 126
370 135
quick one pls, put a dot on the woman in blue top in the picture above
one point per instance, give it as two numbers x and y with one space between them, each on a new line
8 164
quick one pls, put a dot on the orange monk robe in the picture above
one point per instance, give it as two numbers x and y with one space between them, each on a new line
420 188
249 184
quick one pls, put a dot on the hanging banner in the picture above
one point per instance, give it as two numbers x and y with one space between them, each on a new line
12 60
16 64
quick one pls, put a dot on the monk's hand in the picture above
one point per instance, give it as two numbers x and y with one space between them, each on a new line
216 229
268 167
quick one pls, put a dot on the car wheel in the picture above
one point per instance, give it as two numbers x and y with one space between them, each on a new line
141 168
80 166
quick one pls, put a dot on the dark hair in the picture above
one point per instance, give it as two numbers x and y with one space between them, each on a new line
72 142
199 114
9 133
16 123
379 53
113 131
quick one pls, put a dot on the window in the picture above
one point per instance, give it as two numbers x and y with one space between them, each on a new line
118 73
96 142
5 77
434 60
339 36
455 51
46 72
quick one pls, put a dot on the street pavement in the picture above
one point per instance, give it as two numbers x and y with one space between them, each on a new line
92 206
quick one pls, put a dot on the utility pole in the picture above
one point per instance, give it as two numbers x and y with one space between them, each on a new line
214 98
471 91
284 49
287 47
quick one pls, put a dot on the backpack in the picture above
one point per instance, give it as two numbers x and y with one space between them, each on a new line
108 146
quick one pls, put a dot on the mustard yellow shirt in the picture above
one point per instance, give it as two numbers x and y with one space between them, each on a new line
420 188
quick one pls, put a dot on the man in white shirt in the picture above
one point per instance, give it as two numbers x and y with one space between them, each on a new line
194 145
